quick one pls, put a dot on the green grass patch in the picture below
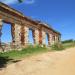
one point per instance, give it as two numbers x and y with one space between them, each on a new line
30 50
67 41
57 47
69 45
62 46
14 54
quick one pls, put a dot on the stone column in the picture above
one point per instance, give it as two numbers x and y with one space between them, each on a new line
43 37
1 47
1 22
40 37
22 35
56 39
17 34
36 36
51 39
26 35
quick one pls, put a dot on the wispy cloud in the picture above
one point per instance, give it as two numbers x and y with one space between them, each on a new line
16 1
9 1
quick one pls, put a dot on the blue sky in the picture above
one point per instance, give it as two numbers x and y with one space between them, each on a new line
59 14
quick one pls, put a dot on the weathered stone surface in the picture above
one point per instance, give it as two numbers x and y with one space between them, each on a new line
36 36
22 35
51 39
1 22
20 25
56 39
13 33
43 37
17 34
26 35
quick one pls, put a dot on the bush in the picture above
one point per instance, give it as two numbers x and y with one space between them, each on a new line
68 41
57 46
68 45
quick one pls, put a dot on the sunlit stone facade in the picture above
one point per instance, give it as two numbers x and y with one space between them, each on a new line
21 24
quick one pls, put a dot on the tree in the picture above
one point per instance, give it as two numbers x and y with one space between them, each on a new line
20 1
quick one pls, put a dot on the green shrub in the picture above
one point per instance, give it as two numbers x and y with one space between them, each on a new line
68 41
57 46
68 45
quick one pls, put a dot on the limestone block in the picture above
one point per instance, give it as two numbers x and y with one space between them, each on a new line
17 34
36 34
43 37
26 35
1 22
51 39
56 39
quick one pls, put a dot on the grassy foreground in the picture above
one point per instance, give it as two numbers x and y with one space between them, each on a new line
30 50
14 54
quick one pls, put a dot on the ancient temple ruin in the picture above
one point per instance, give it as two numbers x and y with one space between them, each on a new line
20 26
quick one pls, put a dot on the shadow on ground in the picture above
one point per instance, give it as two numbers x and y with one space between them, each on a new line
5 60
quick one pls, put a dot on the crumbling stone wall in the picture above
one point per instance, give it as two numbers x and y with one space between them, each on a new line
20 25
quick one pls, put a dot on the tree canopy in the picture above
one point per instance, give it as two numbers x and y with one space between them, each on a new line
20 1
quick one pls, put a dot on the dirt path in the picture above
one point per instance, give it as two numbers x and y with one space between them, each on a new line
51 63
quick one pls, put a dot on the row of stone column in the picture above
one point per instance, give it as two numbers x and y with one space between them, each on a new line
21 36
51 38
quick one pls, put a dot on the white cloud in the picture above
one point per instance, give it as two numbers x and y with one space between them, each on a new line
16 1
9 1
